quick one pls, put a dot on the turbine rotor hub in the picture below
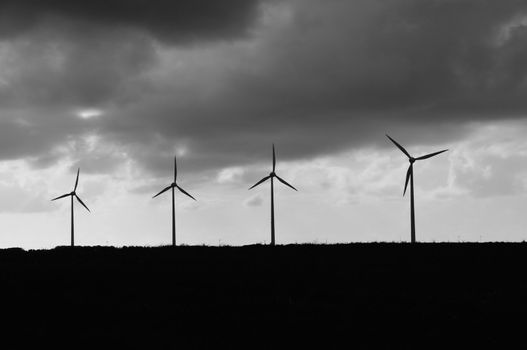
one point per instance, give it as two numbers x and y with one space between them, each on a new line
272 174
411 160
72 193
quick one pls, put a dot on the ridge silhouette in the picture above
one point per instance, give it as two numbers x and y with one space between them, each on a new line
210 296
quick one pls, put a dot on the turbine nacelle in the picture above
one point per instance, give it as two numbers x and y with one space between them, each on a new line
273 174
410 172
174 184
73 193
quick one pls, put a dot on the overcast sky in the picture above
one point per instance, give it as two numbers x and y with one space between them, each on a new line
118 87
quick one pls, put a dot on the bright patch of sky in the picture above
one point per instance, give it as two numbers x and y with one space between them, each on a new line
474 192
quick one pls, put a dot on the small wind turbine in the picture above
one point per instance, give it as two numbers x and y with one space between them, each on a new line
271 176
172 186
73 194
410 177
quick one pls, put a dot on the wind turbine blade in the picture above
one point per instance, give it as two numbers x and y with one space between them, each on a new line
399 146
64 195
259 182
409 173
284 182
185 192
431 155
274 159
77 180
175 169
81 202
164 190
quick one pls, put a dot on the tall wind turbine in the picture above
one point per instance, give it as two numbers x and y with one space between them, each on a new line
410 177
73 194
271 176
172 186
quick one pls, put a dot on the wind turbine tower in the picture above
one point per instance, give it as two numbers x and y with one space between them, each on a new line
73 194
172 186
410 178
271 176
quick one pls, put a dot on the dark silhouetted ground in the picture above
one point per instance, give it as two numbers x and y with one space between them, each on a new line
325 296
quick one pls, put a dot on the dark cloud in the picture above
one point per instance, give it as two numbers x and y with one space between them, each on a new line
65 73
315 77
57 58
166 20
88 53
335 75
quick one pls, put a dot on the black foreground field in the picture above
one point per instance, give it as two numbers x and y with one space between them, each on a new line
368 295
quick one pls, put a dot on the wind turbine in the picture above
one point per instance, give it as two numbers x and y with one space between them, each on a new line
271 176
172 186
73 194
410 177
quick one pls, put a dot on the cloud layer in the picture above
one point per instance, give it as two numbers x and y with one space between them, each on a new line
219 81
169 21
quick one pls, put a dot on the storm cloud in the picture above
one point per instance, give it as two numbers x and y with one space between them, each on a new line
219 81
168 21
